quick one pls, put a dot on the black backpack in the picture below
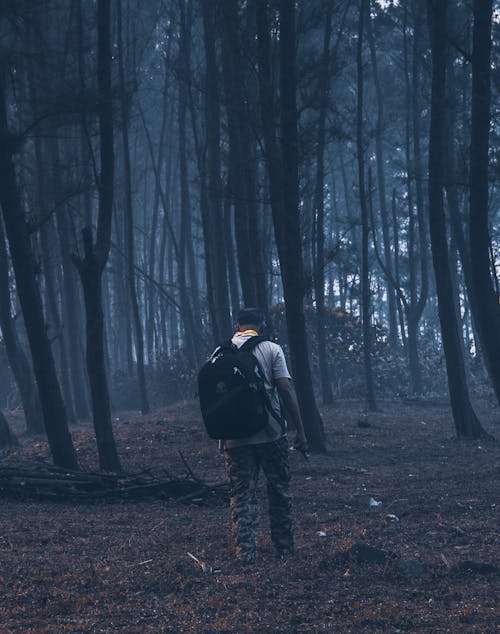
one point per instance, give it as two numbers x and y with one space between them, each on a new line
233 399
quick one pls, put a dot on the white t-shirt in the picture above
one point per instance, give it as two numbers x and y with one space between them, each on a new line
272 362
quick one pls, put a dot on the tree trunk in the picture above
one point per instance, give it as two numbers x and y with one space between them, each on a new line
129 224
384 215
7 438
365 227
215 250
319 215
283 168
91 265
485 296
241 184
17 359
466 422
54 412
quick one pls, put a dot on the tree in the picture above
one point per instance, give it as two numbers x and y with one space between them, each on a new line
91 265
365 226
214 230
319 213
18 362
129 220
282 167
484 294
467 424
54 412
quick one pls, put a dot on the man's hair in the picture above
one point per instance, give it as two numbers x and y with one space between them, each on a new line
252 316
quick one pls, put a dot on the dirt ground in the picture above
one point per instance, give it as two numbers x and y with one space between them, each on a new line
164 566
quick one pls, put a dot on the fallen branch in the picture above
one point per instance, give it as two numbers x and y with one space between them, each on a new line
56 484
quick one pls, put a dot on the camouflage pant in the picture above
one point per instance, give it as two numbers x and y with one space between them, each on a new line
243 465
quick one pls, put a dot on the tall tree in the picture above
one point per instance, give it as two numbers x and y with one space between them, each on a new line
381 179
365 224
129 219
16 227
282 167
319 212
91 265
467 424
484 293
242 170
18 362
215 251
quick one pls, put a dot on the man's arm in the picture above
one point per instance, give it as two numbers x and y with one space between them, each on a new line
289 399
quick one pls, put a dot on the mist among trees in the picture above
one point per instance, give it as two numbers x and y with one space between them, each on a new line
332 162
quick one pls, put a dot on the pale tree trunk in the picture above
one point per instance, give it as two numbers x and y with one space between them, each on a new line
384 215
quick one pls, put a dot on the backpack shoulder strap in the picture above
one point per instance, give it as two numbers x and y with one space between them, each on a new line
227 345
248 346
252 342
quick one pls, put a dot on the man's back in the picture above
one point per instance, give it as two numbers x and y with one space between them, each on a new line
273 365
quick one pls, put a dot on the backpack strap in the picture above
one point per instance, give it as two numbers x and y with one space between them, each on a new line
225 345
248 346
251 342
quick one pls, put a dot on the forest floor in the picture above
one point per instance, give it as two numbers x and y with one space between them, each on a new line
166 566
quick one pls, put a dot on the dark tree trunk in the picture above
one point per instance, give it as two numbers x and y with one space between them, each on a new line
71 308
484 292
319 215
7 438
283 168
54 412
129 224
189 303
17 359
215 250
91 265
466 422
241 184
365 226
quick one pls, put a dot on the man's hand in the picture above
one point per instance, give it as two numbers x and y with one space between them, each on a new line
300 444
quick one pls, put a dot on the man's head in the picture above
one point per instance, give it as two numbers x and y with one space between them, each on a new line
251 318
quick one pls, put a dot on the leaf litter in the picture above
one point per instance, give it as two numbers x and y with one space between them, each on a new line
160 563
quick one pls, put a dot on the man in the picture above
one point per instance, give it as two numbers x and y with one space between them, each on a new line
267 448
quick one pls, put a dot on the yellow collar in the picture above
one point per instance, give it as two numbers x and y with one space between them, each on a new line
247 332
